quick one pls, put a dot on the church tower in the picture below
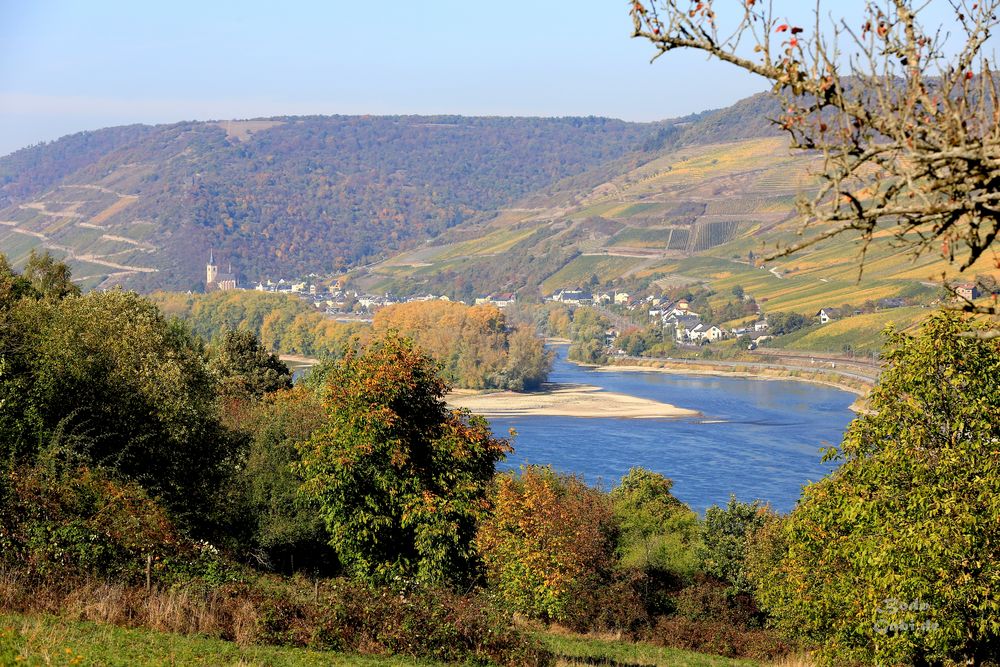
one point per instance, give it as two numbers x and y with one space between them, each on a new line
211 270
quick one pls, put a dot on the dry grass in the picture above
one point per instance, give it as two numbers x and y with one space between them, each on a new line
176 610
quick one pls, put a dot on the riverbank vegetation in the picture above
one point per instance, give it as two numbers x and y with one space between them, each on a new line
477 347
151 480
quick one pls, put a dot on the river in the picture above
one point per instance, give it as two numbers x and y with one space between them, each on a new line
758 439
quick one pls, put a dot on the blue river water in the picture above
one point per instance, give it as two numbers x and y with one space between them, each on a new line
757 439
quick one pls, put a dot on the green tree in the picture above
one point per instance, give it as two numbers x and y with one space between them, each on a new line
12 286
659 533
589 327
244 369
129 387
49 277
288 532
401 480
725 541
528 362
895 557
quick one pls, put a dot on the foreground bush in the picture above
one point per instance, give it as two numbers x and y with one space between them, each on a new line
119 385
895 557
400 480
336 615
548 542
60 520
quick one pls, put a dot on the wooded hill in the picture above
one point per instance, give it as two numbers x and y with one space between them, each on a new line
286 196
710 197
142 205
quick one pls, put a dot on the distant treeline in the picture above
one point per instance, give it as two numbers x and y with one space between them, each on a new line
284 324
474 344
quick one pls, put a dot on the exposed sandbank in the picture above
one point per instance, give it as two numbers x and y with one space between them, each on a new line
566 400
761 374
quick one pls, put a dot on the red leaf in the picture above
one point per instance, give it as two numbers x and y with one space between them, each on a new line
781 28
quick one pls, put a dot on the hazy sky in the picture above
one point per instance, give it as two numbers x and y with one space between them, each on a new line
67 66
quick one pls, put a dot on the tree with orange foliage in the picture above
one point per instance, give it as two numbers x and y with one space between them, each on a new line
475 345
548 539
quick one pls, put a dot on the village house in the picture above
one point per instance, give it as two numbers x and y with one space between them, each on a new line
500 300
967 291
826 315
574 297
706 332
682 325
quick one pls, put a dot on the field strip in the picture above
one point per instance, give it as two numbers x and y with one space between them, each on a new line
94 259
40 208
95 187
123 239
652 254
37 235
118 206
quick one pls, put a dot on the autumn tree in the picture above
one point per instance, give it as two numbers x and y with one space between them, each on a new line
895 557
548 539
475 345
904 118
400 479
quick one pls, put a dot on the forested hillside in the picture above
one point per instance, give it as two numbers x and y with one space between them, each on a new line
143 205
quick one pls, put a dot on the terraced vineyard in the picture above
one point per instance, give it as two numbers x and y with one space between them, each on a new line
71 222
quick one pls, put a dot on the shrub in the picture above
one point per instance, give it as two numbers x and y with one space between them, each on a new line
60 521
724 540
720 637
548 541
658 533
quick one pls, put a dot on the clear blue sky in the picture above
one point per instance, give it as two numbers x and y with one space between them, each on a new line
67 66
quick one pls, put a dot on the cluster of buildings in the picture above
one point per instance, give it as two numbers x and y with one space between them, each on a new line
334 299
686 324
579 297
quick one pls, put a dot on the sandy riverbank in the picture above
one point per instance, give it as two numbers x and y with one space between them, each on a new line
298 360
566 400
759 374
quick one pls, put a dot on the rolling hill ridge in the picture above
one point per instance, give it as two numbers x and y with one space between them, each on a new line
141 206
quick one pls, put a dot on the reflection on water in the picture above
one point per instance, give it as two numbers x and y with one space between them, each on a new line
755 438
